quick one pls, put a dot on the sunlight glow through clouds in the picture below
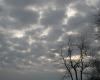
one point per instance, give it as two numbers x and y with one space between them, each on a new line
60 39
40 16
75 57
72 33
61 70
96 41
44 59
70 11
13 33
96 29
18 34
46 32
57 55
69 33
30 40
37 8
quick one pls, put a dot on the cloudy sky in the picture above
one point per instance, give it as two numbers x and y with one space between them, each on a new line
30 29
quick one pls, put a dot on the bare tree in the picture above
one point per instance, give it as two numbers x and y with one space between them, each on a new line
68 68
69 63
83 47
75 68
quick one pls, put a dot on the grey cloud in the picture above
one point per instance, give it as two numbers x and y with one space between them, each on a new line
1 9
84 17
64 3
3 43
24 17
17 2
17 18
38 49
20 44
82 6
53 17
78 22
24 3
54 34
98 5
61 3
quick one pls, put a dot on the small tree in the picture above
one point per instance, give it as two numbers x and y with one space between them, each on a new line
74 68
69 63
83 47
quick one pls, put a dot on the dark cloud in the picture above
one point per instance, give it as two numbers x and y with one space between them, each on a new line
17 2
78 22
24 3
24 17
54 34
53 17
1 9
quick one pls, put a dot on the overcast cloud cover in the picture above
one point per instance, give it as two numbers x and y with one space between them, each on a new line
29 29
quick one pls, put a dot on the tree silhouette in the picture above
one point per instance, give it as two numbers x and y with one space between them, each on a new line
74 63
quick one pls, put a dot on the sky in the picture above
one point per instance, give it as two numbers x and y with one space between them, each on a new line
31 29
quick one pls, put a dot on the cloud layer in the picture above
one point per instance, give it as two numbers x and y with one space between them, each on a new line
30 28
